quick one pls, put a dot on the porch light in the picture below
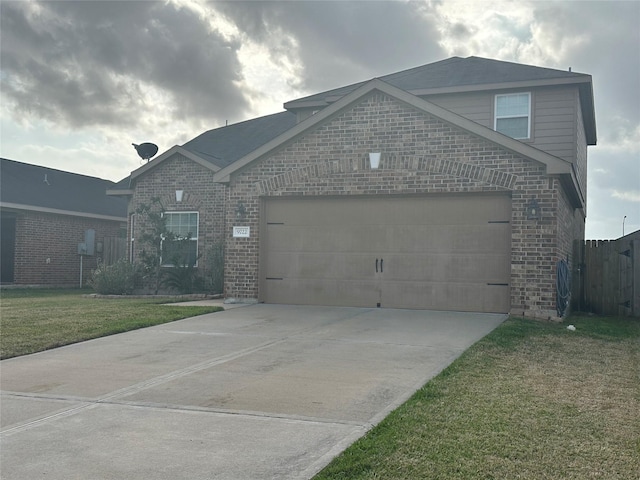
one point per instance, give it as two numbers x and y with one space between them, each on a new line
374 160
533 210
241 211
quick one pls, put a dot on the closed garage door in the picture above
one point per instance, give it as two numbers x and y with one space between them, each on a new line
445 252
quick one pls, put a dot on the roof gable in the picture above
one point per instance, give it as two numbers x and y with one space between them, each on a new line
175 150
554 165
458 74
33 187
219 147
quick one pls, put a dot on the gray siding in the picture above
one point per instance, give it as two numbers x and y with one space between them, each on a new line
554 116
581 150
554 121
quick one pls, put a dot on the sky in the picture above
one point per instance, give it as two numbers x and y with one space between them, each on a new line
80 81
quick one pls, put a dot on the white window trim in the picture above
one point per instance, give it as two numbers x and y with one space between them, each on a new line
132 238
193 239
496 117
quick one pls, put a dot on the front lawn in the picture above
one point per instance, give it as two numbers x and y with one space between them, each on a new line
32 320
531 400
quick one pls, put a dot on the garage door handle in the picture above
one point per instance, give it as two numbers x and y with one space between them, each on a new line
376 265
381 267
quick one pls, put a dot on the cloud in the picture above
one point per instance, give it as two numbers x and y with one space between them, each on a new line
633 196
113 63
337 43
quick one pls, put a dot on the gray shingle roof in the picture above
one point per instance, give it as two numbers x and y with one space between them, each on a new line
41 187
452 72
223 146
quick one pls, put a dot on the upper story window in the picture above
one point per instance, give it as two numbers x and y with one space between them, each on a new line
513 115
184 250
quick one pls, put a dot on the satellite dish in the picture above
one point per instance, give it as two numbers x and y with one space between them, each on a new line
146 150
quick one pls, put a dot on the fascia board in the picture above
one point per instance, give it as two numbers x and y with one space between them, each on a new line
502 85
35 208
307 104
554 165
176 149
120 193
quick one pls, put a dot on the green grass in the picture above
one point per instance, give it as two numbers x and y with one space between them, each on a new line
531 400
32 320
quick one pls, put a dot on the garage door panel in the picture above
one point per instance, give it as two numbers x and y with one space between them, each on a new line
337 239
469 297
486 238
301 291
461 268
333 266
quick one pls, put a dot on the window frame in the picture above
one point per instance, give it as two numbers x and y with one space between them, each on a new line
193 238
528 116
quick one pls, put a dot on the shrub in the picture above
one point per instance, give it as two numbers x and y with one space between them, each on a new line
116 279
183 278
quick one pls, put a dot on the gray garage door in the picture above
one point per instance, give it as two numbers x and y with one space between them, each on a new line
445 252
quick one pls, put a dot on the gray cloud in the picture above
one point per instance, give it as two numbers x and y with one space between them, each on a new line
341 42
609 50
86 63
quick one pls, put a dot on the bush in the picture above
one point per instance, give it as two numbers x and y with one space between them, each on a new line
183 278
116 279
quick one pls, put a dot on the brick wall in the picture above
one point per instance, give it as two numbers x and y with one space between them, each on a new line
46 248
420 155
200 195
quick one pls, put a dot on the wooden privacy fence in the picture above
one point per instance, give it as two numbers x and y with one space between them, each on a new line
114 249
606 277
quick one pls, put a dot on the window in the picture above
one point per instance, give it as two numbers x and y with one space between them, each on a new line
183 250
513 115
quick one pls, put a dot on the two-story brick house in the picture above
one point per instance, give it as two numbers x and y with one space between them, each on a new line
457 185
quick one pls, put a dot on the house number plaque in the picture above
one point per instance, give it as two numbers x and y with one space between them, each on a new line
242 232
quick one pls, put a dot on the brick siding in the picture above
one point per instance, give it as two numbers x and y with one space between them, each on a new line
201 195
46 248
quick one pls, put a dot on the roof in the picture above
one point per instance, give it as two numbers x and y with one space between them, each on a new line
219 147
554 165
458 74
223 146
32 187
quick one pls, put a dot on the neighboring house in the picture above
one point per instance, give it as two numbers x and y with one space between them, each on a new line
45 215
457 185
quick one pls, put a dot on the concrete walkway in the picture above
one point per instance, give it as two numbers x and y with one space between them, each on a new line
262 391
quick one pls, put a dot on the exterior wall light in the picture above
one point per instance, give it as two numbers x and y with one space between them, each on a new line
374 160
533 210
241 211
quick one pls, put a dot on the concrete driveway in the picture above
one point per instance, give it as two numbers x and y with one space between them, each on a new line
262 391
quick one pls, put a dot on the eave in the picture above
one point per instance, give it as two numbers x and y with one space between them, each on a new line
36 208
176 149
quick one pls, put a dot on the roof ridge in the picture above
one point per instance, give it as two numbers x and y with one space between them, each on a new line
50 169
